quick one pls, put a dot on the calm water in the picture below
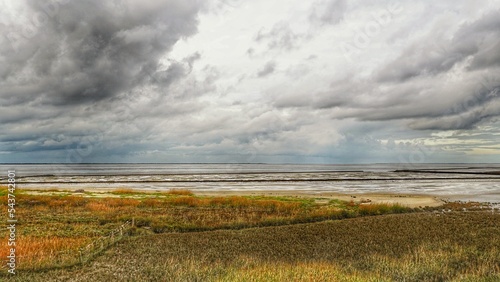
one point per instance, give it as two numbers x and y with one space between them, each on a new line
456 181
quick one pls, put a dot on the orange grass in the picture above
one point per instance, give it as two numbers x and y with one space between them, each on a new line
46 251
99 206
122 202
123 191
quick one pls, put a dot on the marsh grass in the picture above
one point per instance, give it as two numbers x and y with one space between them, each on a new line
47 220
123 191
180 192
379 209
363 247
42 252
400 247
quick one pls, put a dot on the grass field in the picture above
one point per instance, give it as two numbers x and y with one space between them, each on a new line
178 236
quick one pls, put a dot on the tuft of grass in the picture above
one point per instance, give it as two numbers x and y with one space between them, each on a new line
379 209
122 202
180 192
124 191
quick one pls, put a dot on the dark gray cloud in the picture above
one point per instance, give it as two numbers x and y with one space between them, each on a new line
466 119
92 51
268 69
476 46
92 69
452 88
487 57
427 104
480 39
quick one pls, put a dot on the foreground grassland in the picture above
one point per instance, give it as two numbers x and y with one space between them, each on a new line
54 225
180 237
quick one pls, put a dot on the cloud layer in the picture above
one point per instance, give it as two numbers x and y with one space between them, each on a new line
233 81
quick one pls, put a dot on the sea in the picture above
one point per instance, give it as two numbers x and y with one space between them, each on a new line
467 182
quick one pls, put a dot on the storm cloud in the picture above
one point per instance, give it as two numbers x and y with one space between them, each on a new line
92 51
328 81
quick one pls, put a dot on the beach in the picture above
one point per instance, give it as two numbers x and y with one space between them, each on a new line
422 185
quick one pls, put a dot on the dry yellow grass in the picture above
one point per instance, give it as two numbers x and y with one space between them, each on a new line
405 247
39 252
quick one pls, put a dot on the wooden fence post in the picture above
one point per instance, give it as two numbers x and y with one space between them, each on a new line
81 256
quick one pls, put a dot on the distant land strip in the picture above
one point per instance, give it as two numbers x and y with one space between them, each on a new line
450 172
270 172
259 180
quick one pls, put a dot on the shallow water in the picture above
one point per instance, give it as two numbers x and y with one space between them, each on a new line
479 182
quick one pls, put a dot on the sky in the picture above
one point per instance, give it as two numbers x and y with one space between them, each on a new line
322 81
